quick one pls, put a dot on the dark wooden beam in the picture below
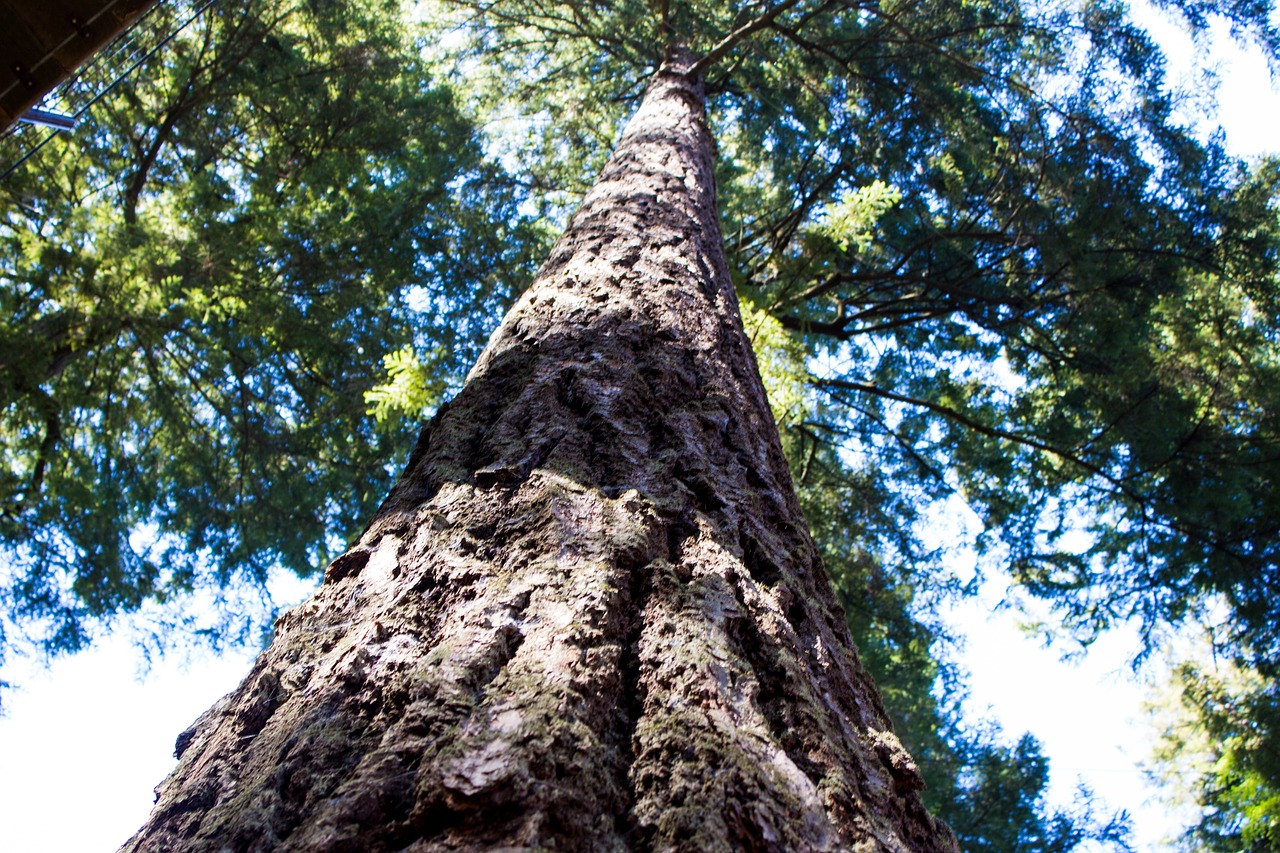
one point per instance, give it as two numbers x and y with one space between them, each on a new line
43 41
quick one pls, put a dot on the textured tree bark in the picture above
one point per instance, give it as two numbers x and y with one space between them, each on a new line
589 616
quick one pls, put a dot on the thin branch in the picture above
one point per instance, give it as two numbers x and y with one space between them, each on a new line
734 38
994 432
52 435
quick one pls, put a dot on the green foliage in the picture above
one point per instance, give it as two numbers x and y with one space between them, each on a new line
413 388
197 290
992 793
1219 726
1048 323
781 359
849 222
975 231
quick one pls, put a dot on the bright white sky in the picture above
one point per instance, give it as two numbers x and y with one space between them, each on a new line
86 740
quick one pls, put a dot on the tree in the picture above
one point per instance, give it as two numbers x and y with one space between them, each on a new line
921 195
1218 724
1064 314
589 616
992 793
199 289
238 137
1071 239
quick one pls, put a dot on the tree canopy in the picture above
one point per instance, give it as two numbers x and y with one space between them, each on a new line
201 287
986 260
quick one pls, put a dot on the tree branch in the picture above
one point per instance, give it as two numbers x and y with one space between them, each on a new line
734 38
52 434
977 426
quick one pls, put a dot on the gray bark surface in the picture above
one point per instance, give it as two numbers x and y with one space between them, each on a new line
589 616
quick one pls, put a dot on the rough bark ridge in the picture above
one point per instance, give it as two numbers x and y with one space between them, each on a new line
589 616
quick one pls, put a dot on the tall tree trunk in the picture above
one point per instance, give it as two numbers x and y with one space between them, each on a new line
589 616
